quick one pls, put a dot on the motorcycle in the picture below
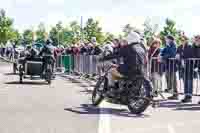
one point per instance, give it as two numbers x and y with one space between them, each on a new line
49 69
33 67
130 92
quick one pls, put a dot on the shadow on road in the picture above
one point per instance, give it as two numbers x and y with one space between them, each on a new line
191 108
179 106
86 91
9 74
87 109
76 81
25 83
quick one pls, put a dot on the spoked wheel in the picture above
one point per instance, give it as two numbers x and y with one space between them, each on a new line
97 94
20 74
48 74
138 100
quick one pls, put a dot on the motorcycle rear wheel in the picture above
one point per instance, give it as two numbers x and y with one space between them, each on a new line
138 104
48 75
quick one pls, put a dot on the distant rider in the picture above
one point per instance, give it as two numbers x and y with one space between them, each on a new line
47 53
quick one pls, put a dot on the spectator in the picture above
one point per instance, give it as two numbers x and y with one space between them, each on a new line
83 49
184 52
95 47
90 48
123 42
75 49
168 52
117 46
155 66
196 51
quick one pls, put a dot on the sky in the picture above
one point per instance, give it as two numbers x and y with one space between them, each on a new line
112 14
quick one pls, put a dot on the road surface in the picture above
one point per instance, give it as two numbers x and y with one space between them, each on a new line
64 107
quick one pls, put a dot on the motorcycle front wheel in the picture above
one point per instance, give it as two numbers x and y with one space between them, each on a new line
97 94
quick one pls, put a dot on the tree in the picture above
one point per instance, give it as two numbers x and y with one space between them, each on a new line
5 27
65 35
92 29
149 30
41 33
53 36
170 29
56 34
75 31
108 37
27 36
68 37
15 36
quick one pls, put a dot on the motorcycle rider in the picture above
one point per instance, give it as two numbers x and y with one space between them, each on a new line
133 55
47 52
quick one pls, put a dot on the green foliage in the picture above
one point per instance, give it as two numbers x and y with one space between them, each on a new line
41 33
55 34
73 33
68 37
27 36
5 27
149 30
15 36
170 29
92 29
108 37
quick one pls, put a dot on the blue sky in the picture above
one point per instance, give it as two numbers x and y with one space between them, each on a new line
113 14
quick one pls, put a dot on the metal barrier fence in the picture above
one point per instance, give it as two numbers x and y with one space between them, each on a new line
9 56
177 76
82 64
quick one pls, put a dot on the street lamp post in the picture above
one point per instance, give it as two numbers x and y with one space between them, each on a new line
58 39
81 28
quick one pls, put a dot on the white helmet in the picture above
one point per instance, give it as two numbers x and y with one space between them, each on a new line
133 37
108 47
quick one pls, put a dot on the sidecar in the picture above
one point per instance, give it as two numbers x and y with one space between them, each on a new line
31 68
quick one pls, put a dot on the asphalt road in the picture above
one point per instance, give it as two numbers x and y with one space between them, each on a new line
64 107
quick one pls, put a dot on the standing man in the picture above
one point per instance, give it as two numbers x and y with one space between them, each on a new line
96 50
196 51
184 53
168 52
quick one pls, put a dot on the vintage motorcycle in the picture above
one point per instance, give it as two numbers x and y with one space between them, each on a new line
130 92
33 67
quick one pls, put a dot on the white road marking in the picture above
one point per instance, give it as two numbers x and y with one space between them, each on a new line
104 119
170 128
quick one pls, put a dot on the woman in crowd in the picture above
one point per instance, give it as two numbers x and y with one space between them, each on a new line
155 66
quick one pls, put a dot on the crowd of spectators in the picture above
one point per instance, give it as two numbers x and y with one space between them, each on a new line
184 59
163 58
